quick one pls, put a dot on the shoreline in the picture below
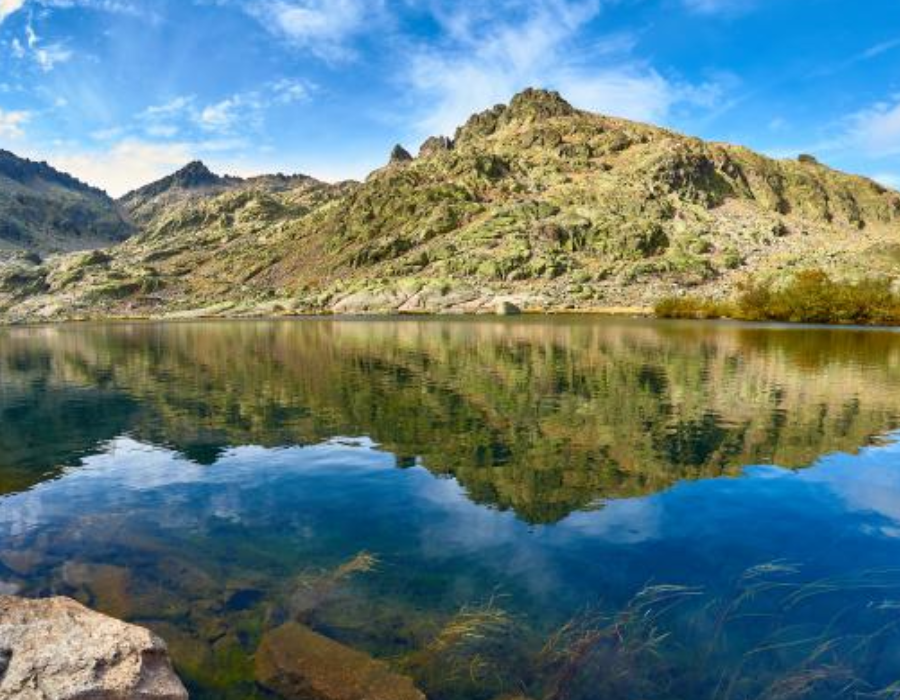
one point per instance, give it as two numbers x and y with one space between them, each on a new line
612 312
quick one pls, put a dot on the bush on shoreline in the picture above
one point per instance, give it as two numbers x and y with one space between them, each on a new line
812 296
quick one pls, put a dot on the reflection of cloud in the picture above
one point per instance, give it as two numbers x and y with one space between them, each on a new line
628 521
867 482
128 470
459 527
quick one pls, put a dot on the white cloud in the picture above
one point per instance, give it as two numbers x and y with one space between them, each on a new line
891 180
240 112
7 7
47 56
225 115
11 123
323 27
173 107
876 129
124 165
491 55
715 7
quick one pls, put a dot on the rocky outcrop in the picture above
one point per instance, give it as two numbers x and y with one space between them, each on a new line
300 664
434 145
56 649
400 155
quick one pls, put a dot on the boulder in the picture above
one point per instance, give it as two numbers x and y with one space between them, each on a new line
507 308
300 664
56 649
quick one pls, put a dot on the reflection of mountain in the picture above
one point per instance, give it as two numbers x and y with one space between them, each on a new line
542 416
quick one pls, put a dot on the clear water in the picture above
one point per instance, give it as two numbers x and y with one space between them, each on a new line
606 508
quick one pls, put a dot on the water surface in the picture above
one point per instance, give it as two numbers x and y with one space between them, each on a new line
611 508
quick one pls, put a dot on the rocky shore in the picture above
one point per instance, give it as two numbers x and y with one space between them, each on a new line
57 649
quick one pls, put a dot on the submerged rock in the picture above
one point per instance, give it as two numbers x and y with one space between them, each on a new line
56 649
300 664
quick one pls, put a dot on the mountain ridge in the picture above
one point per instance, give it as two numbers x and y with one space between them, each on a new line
44 210
533 202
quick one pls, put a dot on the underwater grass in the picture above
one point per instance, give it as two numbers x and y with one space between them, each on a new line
314 588
770 636
772 633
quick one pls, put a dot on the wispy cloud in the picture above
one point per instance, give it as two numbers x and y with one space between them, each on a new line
239 112
719 7
876 129
47 56
11 123
324 27
488 56
8 7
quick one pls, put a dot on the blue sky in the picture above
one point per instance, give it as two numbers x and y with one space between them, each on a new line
120 92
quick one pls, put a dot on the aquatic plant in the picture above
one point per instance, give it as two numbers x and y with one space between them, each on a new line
479 650
313 588
615 656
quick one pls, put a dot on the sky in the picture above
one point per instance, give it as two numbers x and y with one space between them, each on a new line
122 92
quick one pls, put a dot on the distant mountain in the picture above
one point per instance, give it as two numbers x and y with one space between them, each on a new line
43 210
195 181
535 202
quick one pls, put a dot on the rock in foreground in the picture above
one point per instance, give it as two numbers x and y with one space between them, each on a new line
56 649
300 664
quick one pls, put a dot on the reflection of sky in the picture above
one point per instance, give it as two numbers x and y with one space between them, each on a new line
844 506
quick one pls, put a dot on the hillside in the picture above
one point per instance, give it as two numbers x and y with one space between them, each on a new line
534 201
194 182
43 210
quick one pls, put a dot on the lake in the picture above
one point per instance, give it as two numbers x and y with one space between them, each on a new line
554 508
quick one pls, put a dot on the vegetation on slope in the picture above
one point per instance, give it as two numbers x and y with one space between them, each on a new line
534 201
43 210
811 296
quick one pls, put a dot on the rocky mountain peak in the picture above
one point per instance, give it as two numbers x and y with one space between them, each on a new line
400 155
534 104
195 174
530 105
434 145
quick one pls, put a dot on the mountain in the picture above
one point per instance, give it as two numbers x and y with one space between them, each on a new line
43 210
534 202
195 181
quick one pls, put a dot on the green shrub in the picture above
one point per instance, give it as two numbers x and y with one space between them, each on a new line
812 296
692 307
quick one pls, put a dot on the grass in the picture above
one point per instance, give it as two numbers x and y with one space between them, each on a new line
478 651
772 634
811 296
691 307
315 588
